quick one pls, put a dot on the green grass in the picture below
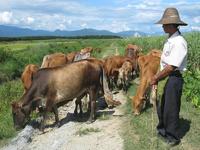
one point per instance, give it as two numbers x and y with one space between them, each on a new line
8 92
86 131
139 132
104 116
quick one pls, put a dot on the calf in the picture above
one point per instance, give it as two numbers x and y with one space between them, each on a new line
125 73
111 66
148 65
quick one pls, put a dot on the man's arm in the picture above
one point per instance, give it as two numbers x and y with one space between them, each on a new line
162 74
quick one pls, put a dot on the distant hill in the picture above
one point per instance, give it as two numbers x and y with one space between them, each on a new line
11 31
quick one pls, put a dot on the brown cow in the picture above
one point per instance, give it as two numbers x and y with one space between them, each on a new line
27 75
148 65
132 50
71 56
111 65
86 50
54 60
53 86
125 73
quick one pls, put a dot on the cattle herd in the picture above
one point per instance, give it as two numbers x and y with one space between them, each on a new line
64 77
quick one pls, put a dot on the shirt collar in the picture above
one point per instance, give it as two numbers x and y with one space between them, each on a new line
174 35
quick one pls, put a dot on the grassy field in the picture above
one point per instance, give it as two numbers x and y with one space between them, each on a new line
139 132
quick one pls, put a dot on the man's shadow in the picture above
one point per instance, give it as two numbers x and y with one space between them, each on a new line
184 127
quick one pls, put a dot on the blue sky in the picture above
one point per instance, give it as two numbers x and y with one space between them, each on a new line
113 15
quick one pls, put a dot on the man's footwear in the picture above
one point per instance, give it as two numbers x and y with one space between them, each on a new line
172 142
162 137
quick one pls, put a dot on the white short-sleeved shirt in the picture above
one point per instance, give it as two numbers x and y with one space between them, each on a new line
174 52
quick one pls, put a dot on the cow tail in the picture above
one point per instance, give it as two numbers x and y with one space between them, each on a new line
107 93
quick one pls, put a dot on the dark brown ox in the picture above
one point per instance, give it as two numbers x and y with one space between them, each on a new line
148 65
111 66
27 75
53 86
54 60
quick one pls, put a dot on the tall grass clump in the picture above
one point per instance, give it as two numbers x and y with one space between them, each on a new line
192 75
9 92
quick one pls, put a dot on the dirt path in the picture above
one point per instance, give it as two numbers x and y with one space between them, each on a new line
76 134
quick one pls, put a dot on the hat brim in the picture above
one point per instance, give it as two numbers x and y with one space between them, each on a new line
163 21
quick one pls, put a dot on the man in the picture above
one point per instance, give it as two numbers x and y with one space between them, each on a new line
173 63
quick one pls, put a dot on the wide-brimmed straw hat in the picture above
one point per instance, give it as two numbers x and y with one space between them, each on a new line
171 16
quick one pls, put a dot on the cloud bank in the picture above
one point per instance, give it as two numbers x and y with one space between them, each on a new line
113 15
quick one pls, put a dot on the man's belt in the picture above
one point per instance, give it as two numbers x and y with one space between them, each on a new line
176 73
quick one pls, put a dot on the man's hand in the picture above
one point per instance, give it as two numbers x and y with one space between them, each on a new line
162 74
154 80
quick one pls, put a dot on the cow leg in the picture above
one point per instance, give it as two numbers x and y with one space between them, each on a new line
93 98
79 103
49 107
55 111
76 107
80 107
89 106
44 116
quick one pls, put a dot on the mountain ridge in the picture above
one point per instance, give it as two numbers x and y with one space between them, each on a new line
13 31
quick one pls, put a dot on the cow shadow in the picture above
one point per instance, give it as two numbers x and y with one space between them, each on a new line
101 105
184 127
101 109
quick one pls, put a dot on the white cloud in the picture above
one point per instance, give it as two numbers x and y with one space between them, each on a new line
6 17
84 25
146 17
197 19
30 20
114 26
196 28
152 2
69 22
75 14
62 27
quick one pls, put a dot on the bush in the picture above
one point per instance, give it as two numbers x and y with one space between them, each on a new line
8 92
192 87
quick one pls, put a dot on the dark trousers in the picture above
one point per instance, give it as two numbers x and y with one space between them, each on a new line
168 110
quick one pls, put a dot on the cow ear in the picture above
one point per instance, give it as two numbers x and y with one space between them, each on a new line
15 104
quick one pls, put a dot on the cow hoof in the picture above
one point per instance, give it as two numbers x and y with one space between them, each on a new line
80 115
90 121
75 114
41 130
58 125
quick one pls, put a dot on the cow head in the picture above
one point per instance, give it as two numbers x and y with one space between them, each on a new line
132 50
20 114
138 104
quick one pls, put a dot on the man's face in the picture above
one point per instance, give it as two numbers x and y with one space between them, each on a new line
167 27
